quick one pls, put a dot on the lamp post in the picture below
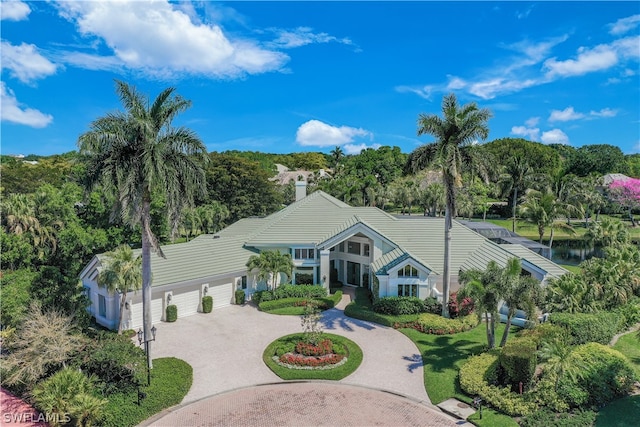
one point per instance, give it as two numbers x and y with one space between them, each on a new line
146 349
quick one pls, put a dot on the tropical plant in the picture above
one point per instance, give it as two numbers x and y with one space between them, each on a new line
518 293
138 156
608 232
121 272
555 354
69 396
336 155
568 294
459 126
484 288
269 265
626 193
516 178
43 343
543 209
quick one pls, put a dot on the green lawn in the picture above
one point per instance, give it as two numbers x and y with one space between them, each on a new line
530 231
171 380
629 345
442 356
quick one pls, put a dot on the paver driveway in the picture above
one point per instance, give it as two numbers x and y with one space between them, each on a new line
225 350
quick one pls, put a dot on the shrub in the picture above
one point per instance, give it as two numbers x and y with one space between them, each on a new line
129 333
605 374
115 361
240 296
547 418
518 362
171 313
69 397
299 291
432 305
478 374
545 332
437 325
629 314
207 304
399 305
322 303
464 308
324 347
587 327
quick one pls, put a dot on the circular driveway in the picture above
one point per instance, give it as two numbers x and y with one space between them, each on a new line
225 350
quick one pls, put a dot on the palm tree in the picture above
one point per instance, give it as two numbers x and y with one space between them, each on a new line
459 126
336 155
517 176
608 232
269 265
483 287
543 209
121 272
518 293
138 155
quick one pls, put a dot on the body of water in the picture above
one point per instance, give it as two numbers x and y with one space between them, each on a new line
573 252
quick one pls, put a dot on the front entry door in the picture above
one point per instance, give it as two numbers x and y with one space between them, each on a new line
353 273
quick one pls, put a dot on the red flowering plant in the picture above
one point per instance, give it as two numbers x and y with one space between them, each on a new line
324 347
312 361
463 308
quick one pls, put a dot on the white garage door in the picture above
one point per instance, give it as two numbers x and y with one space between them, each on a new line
136 313
187 302
222 294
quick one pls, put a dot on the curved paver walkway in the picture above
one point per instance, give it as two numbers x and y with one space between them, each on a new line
304 404
225 350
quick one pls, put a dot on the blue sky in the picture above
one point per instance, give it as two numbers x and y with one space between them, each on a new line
286 77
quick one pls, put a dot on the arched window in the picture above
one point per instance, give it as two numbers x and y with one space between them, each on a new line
408 271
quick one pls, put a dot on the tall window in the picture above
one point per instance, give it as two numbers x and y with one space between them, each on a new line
366 250
408 271
244 282
353 248
102 306
304 254
407 290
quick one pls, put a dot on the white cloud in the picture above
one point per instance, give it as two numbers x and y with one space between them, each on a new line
302 36
554 136
319 134
533 121
491 88
624 25
14 10
25 63
161 39
605 112
13 112
357 148
422 92
532 133
565 115
455 83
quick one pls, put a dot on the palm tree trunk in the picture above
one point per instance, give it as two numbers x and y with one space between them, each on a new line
446 280
551 237
146 275
633 221
507 326
515 202
492 331
123 300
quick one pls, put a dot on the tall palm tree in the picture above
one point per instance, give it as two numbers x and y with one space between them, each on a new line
516 177
459 126
269 265
138 155
336 155
121 272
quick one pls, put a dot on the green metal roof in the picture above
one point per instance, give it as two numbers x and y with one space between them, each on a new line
316 219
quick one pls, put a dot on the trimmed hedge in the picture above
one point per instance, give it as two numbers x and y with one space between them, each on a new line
586 327
240 296
207 304
435 324
478 374
290 291
518 361
323 303
171 313
545 332
397 306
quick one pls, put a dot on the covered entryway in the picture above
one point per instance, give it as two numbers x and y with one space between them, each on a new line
353 273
